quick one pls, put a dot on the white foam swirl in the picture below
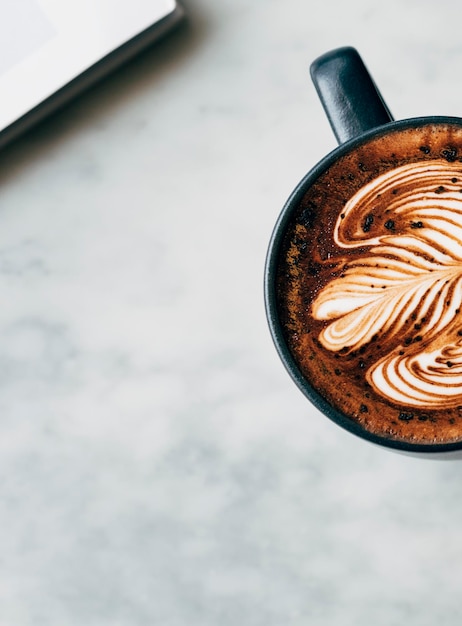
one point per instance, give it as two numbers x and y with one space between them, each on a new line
428 379
412 270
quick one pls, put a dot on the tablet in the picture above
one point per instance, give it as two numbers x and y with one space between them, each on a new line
51 50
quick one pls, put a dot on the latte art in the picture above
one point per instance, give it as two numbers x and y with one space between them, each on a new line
368 284
405 287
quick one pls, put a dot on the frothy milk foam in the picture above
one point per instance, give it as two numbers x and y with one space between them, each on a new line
412 272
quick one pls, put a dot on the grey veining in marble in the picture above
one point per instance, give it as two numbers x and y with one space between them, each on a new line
157 465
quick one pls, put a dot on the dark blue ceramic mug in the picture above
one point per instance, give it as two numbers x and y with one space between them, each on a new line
417 385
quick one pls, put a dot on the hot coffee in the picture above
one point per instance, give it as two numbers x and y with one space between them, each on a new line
369 284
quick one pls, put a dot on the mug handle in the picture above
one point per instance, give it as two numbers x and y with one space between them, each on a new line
350 98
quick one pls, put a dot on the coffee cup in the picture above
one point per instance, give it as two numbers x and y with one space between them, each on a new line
363 276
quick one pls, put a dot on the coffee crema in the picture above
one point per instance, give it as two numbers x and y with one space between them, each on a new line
370 284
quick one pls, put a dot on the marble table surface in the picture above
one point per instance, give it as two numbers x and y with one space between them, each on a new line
157 465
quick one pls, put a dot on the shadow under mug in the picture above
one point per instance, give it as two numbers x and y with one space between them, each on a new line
357 113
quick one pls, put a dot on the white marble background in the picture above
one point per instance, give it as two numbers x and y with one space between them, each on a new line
157 465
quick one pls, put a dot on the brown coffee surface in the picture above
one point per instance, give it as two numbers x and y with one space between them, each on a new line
369 285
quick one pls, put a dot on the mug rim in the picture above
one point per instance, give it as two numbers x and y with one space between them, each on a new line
275 326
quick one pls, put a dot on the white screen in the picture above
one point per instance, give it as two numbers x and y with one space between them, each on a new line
24 27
